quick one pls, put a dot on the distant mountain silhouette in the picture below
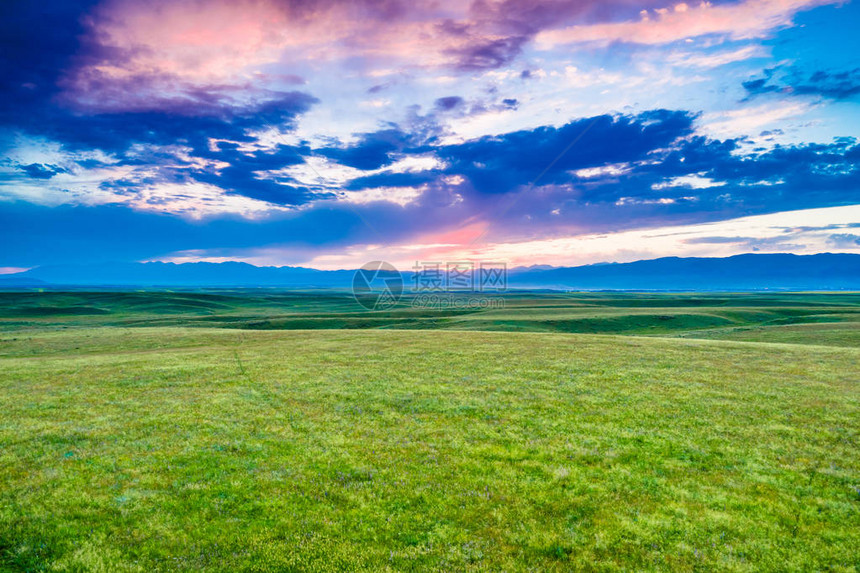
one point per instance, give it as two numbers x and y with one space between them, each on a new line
741 272
18 281
229 274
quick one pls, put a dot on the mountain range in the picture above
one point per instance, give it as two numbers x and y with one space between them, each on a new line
824 271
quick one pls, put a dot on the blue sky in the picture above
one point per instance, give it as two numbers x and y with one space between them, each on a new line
331 133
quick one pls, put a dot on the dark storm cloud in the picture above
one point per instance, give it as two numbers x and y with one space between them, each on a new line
244 175
838 85
793 177
239 172
41 171
498 164
491 54
39 42
448 103
181 125
457 106
371 151
783 178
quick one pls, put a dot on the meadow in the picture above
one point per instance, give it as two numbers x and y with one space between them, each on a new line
292 431
819 318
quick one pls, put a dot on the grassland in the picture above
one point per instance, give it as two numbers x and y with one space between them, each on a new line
214 431
819 318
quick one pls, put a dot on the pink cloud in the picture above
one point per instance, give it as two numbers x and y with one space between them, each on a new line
150 52
738 21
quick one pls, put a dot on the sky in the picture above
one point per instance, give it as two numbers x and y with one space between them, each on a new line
330 133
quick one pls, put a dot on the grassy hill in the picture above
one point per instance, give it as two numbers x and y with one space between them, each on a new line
131 447
175 448
821 318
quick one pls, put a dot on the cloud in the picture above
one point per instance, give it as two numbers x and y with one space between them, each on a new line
488 55
398 195
196 200
715 59
40 171
180 123
136 55
762 233
40 41
182 143
736 21
250 118
13 270
181 46
744 244
750 119
591 173
844 240
683 178
694 181
448 103
372 150
502 163
839 85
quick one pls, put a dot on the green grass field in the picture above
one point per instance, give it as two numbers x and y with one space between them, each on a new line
819 318
274 431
